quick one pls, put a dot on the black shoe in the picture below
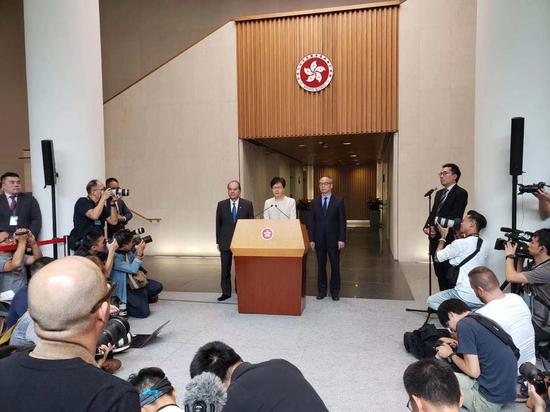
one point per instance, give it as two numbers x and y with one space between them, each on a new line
321 296
335 297
223 297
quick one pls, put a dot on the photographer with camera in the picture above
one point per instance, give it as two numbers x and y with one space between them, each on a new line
134 289
450 203
124 215
463 254
537 277
91 213
13 273
488 365
69 303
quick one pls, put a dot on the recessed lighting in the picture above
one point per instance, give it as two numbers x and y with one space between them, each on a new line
346 143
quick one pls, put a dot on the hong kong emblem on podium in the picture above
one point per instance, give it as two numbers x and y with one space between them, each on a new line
267 233
314 72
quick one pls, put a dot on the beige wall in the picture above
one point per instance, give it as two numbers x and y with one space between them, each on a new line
14 129
139 35
172 139
436 108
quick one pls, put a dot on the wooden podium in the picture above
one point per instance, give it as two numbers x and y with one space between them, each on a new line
270 266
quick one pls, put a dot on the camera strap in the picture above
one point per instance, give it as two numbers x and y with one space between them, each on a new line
496 330
471 256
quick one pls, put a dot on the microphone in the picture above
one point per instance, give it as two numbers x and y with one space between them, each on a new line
262 212
429 192
277 207
204 393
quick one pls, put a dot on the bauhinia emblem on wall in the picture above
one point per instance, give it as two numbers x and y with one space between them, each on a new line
266 233
314 72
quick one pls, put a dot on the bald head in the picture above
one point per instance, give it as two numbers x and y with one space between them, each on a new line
483 277
62 294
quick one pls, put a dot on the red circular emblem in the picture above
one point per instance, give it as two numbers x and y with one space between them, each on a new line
314 72
267 233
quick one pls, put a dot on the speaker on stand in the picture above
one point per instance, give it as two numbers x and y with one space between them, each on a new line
50 178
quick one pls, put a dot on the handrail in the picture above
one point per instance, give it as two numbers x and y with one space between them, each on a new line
150 219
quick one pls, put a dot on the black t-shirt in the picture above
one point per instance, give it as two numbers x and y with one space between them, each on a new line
275 386
82 223
68 385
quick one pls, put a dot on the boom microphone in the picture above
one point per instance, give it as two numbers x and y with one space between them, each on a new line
204 393
429 192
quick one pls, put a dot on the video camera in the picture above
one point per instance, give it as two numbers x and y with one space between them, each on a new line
534 188
516 237
539 379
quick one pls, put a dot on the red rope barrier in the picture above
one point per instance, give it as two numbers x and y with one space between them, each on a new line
40 243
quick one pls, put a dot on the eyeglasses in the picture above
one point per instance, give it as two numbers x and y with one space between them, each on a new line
105 298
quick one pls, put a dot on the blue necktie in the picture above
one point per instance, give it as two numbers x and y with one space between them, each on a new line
325 205
234 212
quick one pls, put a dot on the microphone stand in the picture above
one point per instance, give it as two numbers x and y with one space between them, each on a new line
428 311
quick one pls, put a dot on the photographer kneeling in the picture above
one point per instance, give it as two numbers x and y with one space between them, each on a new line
537 276
464 254
134 289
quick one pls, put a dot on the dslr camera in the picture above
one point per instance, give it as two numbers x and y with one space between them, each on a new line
539 379
516 237
534 188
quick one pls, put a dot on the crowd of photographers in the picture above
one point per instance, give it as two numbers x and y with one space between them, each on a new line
485 357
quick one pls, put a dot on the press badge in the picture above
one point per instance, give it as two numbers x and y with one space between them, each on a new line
13 220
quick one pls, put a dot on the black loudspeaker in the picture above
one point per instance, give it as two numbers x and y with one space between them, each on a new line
49 162
516 146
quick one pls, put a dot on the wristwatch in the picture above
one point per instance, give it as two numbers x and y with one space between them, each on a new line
450 358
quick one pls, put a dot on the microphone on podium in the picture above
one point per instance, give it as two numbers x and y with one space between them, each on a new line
277 207
262 212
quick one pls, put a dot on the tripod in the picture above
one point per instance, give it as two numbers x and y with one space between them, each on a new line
430 261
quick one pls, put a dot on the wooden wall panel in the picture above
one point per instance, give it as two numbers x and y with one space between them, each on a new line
362 97
356 184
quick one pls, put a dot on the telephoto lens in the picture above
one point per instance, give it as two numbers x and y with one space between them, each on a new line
121 192
116 329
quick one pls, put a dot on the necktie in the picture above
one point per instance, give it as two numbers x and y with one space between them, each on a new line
325 205
13 203
234 212
442 200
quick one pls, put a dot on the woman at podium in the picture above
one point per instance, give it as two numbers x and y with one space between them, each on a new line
279 206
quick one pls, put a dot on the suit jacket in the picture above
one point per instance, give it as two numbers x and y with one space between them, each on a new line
225 227
327 230
27 211
453 207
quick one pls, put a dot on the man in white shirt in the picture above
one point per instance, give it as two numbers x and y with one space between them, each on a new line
507 309
462 252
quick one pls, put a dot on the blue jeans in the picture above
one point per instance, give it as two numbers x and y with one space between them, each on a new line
438 298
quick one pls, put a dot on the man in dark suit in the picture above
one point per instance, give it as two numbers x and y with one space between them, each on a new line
450 202
327 235
18 210
228 212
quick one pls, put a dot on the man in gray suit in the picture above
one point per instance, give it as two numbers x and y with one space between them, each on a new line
18 210
228 212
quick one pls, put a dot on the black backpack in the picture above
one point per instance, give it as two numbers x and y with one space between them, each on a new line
421 343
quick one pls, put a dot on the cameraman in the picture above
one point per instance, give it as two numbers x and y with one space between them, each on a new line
91 212
537 277
124 215
544 203
128 260
461 252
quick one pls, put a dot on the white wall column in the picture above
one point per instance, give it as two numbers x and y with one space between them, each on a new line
65 99
512 60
